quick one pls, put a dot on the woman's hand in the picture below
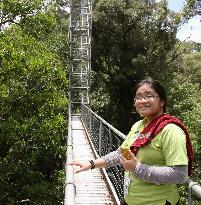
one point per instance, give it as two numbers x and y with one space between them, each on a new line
129 164
84 166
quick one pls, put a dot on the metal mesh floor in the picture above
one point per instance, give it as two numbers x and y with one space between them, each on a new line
91 187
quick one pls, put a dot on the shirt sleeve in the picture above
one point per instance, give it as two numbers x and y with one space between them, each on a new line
162 175
174 145
112 158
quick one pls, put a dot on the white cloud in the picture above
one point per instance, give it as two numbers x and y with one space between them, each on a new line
191 31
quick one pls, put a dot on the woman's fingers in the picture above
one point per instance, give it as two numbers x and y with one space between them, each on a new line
82 166
129 164
80 170
131 155
122 159
74 163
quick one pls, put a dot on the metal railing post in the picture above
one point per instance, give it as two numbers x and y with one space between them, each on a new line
100 138
110 138
90 124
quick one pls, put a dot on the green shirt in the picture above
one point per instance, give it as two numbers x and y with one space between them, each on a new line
168 148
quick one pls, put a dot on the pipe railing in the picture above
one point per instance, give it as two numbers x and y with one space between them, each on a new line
105 139
193 189
70 189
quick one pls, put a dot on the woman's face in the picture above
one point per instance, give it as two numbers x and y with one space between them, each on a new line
148 102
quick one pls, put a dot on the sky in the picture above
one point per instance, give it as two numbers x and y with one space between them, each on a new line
190 31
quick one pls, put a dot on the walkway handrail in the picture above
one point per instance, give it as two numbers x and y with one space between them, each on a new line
70 188
193 188
106 123
105 138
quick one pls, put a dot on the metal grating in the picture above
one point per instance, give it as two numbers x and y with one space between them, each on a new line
91 186
105 139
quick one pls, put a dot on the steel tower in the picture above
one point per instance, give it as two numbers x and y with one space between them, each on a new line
198 7
80 28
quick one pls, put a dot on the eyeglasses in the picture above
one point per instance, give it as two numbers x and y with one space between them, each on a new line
146 97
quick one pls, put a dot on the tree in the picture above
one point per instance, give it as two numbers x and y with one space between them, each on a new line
190 100
50 27
33 121
139 42
184 102
12 11
191 61
33 63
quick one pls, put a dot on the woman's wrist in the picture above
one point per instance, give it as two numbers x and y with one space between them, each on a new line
92 163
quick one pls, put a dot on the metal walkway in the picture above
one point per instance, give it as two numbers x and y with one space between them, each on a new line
90 185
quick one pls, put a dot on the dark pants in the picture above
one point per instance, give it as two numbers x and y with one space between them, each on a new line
167 203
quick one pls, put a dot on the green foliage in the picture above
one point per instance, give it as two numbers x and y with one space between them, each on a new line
190 47
187 12
50 28
13 10
184 102
42 23
192 65
139 42
33 121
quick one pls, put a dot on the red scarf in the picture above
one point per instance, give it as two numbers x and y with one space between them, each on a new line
154 127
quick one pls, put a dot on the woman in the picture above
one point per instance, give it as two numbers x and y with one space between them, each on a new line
160 151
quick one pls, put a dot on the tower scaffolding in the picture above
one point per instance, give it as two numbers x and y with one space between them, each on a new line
198 7
80 27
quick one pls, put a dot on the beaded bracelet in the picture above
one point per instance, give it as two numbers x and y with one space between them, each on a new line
92 164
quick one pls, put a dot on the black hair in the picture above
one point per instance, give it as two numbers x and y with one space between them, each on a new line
156 86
